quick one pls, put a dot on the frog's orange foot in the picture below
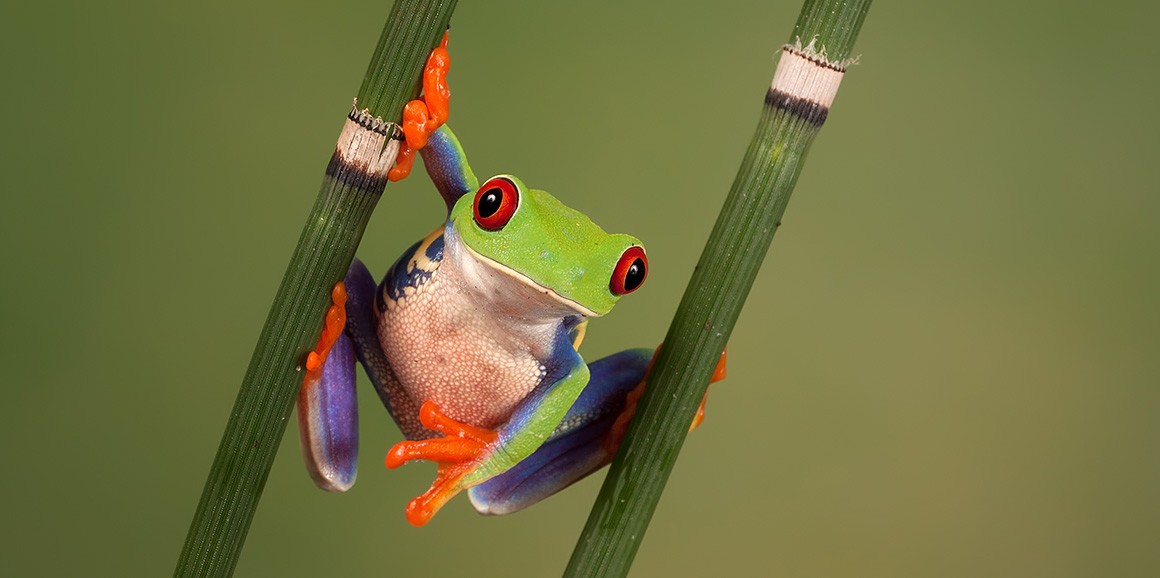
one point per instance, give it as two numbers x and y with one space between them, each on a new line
620 426
462 448
334 324
404 160
718 375
422 117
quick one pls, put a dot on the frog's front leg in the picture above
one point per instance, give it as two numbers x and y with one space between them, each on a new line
468 456
586 440
447 166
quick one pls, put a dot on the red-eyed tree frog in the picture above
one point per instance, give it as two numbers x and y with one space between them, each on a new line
471 342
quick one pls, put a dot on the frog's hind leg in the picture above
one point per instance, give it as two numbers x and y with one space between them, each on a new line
327 403
585 441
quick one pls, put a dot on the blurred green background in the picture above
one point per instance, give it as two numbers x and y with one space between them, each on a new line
948 366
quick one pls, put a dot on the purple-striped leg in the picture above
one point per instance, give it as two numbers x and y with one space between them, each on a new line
578 447
327 405
328 420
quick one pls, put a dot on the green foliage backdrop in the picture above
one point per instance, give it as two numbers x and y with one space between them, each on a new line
948 365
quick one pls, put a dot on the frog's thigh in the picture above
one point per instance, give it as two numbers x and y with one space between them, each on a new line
328 420
328 404
577 447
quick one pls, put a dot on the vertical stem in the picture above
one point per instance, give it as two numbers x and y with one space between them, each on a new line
795 108
350 189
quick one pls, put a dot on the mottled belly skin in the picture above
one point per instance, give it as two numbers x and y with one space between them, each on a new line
459 361
468 338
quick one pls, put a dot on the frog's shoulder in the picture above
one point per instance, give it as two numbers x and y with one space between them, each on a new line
411 270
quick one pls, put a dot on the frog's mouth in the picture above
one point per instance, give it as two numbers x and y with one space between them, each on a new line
528 281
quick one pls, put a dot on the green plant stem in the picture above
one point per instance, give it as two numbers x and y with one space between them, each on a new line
708 311
324 251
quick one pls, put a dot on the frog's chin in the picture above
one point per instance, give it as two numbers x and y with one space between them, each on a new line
497 266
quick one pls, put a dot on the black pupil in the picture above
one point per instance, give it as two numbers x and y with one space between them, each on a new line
635 275
490 202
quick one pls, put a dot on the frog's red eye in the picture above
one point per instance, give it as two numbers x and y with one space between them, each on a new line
495 203
630 271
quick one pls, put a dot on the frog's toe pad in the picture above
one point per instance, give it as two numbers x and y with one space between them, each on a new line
424 507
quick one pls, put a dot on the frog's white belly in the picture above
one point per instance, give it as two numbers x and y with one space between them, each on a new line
471 339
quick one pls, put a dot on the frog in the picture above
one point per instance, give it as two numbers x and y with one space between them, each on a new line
472 338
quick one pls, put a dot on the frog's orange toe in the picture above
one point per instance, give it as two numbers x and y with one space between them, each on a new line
719 372
415 119
420 511
334 323
403 163
718 375
462 448
424 507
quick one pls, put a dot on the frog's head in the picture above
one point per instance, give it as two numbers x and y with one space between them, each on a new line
531 235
